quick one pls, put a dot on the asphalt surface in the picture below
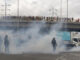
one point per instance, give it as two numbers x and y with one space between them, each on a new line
62 56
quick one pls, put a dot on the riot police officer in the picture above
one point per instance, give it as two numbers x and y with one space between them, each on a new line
6 44
54 44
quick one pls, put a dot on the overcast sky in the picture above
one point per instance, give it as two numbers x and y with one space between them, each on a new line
42 7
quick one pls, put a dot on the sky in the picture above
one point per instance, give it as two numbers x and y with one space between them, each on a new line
41 7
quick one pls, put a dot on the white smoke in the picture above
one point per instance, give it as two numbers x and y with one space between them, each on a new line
75 49
32 40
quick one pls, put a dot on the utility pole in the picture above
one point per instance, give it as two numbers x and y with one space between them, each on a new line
5 8
52 12
18 15
67 10
56 12
61 10
18 9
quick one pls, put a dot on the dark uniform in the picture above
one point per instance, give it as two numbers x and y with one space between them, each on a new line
54 44
0 44
6 44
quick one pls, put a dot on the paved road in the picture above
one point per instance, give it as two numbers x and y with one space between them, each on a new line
62 56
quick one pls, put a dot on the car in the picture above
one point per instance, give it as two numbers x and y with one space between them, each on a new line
76 41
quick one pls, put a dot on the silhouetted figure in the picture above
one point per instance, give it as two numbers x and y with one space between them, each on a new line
6 44
72 19
1 44
54 44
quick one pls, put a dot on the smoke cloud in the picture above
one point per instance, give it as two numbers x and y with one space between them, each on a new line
33 39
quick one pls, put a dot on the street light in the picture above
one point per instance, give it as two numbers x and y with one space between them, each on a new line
18 25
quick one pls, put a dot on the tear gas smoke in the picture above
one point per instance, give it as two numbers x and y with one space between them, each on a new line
33 40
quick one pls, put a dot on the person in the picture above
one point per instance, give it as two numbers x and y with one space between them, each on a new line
6 44
54 44
1 44
72 19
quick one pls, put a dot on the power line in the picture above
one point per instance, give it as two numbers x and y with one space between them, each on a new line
5 8
53 11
